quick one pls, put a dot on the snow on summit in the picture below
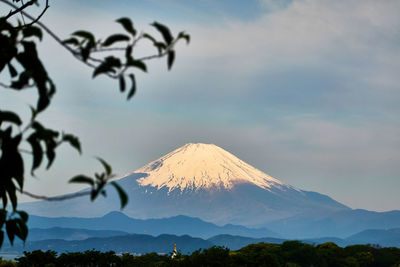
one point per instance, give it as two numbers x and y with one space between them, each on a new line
202 166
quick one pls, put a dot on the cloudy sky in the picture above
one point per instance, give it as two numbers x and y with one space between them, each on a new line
307 91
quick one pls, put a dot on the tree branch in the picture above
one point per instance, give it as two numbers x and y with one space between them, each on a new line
58 198
17 10
44 27
40 15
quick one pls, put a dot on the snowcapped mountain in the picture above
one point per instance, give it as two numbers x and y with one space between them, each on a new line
204 181
203 166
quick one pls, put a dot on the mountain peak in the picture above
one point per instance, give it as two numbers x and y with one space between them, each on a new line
202 166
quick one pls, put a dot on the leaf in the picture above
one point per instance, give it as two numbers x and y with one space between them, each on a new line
11 228
108 65
1 237
32 31
128 51
22 81
33 113
50 152
160 47
122 83
10 117
170 59
3 216
183 35
133 86
137 64
165 32
86 35
128 25
73 141
85 53
148 36
100 177
22 229
123 197
37 151
12 70
115 38
93 194
71 41
24 216
106 166
82 179
10 188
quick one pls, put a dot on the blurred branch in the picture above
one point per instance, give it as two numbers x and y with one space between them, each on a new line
58 198
17 9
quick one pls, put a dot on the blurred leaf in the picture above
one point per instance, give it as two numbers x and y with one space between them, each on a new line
165 32
115 38
3 216
33 113
170 59
32 31
128 52
108 65
1 238
122 194
50 152
148 36
86 35
8 116
85 53
82 179
71 41
106 166
12 70
21 229
137 64
73 141
183 35
22 80
24 216
122 83
11 229
12 195
128 25
37 151
133 86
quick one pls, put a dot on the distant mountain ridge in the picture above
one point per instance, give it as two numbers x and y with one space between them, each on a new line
139 244
340 224
202 181
178 225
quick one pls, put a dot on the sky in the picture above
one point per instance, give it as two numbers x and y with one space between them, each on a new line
307 91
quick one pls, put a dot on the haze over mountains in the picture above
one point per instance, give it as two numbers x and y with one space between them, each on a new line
117 221
209 183
204 181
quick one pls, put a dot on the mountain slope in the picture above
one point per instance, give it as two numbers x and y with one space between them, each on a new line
340 224
133 243
204 181
202 166
36 234
385 238
178 225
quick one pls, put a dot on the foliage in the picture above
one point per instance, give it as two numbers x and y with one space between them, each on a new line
291 253
21 65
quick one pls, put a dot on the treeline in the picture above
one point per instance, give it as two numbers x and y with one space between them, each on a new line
290 253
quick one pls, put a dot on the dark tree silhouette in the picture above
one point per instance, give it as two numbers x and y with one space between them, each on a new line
21 68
